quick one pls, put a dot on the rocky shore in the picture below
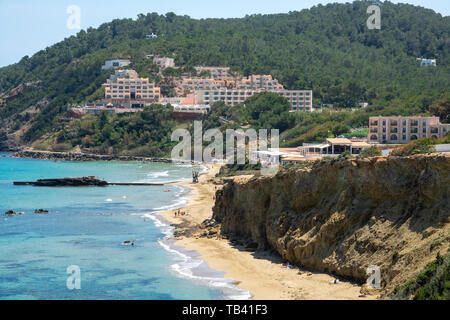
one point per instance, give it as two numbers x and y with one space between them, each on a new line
65 182
69 156
262 273
344 216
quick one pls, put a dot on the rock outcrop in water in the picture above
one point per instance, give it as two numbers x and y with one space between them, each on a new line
13 213
65 182
343 216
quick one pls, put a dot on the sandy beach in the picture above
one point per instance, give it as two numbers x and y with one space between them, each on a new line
261 273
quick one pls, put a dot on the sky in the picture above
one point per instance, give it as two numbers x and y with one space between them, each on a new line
27 26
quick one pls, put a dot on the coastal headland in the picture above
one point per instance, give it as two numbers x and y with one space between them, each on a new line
301 233
263 273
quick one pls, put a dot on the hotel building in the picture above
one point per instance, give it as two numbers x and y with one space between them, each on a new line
405 129
427 62
256 82
216 72
197 83
126 85
118 63
164 62
300 100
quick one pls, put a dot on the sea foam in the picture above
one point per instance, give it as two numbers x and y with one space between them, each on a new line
186 265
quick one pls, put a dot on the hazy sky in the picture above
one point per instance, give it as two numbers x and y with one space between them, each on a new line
27 26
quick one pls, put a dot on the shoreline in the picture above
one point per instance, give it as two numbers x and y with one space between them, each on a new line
77 156
192 266
263 274
188 264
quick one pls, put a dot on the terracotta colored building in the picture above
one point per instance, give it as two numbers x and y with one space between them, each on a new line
396 129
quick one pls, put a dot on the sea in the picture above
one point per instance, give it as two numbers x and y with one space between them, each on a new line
78 250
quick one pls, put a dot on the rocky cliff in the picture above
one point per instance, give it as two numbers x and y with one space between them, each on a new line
342 216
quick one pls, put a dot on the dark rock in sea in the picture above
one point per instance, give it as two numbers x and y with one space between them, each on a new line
83 181
40 211
13 213
65 182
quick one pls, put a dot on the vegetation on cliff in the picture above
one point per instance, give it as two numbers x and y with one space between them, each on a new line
421 146
145 133
433 283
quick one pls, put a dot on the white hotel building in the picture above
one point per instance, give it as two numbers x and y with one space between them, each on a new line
300 100
126 85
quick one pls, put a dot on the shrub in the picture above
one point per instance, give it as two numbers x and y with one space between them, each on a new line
61 147
433 283
373 151
421 146
345 155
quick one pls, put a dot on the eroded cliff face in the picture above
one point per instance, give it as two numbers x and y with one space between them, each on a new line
343 216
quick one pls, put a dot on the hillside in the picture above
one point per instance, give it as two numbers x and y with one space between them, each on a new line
326 48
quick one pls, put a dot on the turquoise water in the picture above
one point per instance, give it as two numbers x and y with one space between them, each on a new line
87 226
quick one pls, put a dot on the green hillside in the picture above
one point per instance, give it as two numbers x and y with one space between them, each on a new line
326 48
